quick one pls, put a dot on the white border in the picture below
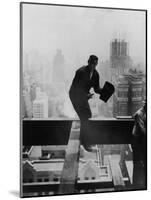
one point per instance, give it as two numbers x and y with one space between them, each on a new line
9 98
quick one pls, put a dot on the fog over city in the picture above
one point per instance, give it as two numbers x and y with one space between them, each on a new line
57 40
79 32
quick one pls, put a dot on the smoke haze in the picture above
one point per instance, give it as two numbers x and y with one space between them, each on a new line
79 32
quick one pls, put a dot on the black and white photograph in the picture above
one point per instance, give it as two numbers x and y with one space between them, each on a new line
83 92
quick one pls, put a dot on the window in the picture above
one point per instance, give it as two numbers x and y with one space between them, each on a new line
46 179
55 179
39 179
52 155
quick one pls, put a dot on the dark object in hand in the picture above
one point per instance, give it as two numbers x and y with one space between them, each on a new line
107 91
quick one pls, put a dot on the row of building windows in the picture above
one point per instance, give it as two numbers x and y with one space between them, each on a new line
137 94
134 94
88 178
40 180
122 94
54 179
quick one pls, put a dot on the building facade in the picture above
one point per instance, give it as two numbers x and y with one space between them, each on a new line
130 93
40 105
120 60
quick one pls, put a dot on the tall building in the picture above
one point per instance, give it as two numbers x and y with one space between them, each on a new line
33 91
130 84
130 93
120 63
58 67
119 58
120 99
136 86
27 103
40 105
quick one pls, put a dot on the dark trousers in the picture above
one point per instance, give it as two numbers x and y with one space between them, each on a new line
83 111
139 146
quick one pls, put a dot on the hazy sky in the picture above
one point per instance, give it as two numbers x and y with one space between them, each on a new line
82 31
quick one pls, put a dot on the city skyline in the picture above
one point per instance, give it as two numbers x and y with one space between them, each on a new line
79 32
55 79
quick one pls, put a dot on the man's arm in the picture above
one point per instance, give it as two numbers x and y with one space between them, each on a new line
139 125
96 86
78 78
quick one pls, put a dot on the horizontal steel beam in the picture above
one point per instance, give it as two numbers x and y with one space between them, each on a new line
56 132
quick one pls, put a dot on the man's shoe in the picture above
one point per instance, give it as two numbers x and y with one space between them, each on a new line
88 147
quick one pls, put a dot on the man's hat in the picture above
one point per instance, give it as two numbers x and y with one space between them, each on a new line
107 91
92 59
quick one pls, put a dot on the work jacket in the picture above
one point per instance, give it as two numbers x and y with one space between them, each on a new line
82 83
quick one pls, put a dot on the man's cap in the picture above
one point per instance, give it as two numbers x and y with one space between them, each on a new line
92 58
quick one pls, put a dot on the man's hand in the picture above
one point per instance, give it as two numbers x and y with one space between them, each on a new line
89 96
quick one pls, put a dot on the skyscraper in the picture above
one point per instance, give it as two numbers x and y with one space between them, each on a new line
40 105
58 67
120 99
130 92
119 58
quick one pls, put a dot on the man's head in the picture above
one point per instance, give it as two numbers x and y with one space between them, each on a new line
92 62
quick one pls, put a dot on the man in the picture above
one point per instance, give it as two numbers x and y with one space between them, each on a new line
85 78
139 146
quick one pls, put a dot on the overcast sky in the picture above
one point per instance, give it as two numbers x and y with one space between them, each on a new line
82 31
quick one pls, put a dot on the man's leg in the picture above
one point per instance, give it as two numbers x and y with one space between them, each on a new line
84 113
144 158
138 169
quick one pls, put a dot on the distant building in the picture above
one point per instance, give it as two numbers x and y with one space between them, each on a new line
51 170
27 104
54 150
58 67
104 70
130 84
130 92
33 92
40 108
35 152
42 170
120 63
40 105
26 151
136 87
89 171
120 98
120 60
36 169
